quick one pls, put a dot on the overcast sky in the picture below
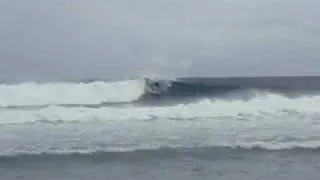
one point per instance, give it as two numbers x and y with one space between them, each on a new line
53 39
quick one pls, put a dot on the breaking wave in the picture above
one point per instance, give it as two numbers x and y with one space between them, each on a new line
84 119
130 92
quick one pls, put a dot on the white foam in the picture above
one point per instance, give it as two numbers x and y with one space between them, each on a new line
69 93
270 122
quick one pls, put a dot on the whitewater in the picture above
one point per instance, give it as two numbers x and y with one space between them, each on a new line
32 93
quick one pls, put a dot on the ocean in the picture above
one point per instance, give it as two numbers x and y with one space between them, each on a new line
200 128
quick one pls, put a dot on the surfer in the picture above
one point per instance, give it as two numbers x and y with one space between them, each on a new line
152 87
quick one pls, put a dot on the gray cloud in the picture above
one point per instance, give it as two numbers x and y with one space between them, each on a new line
119 38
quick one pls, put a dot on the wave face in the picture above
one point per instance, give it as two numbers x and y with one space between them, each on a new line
224 86
267 120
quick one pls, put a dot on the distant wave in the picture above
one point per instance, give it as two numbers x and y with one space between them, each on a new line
213 153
